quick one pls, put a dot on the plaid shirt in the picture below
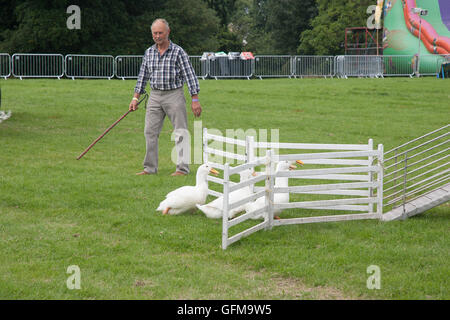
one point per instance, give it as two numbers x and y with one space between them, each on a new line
167 72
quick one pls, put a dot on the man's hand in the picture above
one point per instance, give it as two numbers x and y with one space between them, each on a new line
133 104
196 108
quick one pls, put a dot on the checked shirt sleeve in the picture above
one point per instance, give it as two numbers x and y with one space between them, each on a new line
144 75
188 73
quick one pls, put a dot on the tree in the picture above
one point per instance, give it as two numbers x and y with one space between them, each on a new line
193 25
227 40
248 24
327 35
29 25
286 20
224 9
107 26
7 20
123 26
272 26
40 27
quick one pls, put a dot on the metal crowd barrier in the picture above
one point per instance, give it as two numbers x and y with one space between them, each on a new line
399 66
89 66
201 66
5 65
273 66
128 67
26 65
224 67
359 66
313 66
73 66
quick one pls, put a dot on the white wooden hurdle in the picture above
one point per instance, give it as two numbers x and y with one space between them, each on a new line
351 172
228 188
209 150
351 159
360 189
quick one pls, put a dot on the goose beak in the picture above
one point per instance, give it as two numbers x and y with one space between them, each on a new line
214 172
254 173
292 167
300 162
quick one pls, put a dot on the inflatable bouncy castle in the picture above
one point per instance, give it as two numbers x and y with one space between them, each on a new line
405 21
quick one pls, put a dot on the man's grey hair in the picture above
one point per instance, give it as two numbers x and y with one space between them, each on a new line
161 20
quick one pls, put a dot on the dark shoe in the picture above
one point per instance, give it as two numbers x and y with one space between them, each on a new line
178 173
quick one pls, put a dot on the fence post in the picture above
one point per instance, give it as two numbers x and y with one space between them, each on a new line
396 167
405 173
269 196
205 144
250 152
226 178
380 178
370 144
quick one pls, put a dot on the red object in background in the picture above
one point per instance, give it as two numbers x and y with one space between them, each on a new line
247 55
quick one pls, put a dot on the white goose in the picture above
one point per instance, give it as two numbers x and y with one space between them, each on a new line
4 115
214 208
278 197
185 198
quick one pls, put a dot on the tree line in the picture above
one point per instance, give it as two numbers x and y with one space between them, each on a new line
120 27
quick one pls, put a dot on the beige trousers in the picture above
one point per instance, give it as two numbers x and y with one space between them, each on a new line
161 103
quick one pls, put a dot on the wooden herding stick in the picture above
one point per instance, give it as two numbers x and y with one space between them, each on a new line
107 130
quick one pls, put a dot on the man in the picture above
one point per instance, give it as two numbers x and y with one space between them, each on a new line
167 66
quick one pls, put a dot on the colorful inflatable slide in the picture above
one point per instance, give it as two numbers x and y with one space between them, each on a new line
401 31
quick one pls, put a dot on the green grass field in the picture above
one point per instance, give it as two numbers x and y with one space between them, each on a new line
56 211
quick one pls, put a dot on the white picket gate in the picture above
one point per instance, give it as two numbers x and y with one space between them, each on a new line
349 176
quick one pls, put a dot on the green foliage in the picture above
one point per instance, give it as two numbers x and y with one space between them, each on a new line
7 20
41 28
223 8
123 27
229 41
286 20
327 35
272 26
35 29
248 23
107 26
193 25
